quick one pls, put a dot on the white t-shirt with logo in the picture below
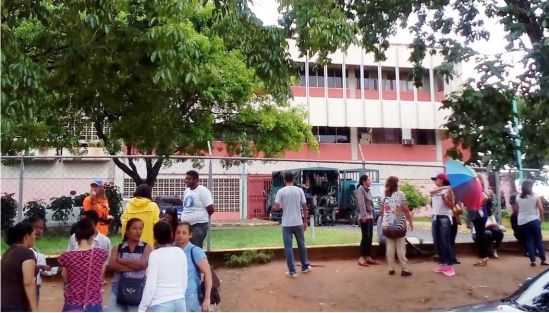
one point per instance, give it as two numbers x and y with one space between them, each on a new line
291 199
195 202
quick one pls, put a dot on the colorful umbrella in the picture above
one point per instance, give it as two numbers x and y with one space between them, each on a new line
465 183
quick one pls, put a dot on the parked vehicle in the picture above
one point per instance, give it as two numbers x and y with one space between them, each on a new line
532 296
165 202
329 192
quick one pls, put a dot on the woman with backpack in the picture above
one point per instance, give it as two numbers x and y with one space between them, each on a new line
394 213
197 264
129 262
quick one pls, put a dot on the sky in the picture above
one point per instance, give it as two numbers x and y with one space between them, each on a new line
267 11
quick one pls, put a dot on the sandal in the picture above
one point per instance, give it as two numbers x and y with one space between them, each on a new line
372 262
481 262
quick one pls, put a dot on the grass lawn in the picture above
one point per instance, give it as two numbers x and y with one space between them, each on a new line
55 244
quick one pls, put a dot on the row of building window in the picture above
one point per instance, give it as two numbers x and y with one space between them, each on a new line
334 78
326 134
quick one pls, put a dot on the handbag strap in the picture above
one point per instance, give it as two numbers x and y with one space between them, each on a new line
88 281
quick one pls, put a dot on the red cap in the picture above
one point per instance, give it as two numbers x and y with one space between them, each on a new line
440 175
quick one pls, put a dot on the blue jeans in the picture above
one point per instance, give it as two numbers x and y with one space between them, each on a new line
287 233
76 308
169 306
442 237
116 307
192 302
200 230
531 232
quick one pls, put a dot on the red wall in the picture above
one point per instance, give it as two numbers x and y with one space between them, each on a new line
447 144
398 152
298 91
424 95
316 92
389 95
226 216
326 151
407 95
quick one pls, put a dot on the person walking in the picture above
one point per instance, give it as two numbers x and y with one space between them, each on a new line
18 270
142 207
83 270
98 202
395 211
365 205
291 200
129 261
166 275
530 216
197 207
442 199
41 266
197 264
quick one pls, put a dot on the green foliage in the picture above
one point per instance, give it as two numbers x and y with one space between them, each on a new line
415 197
114 196
9 210
35 208
248 257
62 208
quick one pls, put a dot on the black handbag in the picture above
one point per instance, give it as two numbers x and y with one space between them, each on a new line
130 290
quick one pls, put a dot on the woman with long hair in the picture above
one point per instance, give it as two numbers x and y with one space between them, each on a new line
142 207
129 260
530 216
98 202
394 209
365 205
170 217
83 269
18 270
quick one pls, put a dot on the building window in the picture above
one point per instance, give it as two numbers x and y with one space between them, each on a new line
386 135
370 79
302 81
406 81
389 83
335 78
225 191
424 136
426 82
439 84
316 76
332 134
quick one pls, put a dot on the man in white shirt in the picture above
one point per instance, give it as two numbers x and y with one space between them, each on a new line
197 208
292 200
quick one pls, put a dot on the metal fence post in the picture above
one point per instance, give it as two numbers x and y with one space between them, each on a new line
209 185
497 192
21 182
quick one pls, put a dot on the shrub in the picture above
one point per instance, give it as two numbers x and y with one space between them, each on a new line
62 208
114 196
9 210
415 197
248 257
35 208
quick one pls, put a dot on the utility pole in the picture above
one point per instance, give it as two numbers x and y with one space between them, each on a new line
517 139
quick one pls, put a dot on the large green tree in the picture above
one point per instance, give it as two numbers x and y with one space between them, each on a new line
165 76
482 111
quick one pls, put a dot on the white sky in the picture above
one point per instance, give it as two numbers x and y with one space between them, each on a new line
267 11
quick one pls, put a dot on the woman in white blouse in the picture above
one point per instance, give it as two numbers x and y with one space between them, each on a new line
166 275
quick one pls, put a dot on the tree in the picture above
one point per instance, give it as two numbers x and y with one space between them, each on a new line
448 27
165 76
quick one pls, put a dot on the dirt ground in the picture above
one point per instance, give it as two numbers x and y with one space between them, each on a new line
341 285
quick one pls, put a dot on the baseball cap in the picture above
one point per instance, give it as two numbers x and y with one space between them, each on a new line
440 175
97 182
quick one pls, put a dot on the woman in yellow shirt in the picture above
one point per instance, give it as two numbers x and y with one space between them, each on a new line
142 207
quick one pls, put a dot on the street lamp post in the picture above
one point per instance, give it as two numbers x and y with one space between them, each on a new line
517 139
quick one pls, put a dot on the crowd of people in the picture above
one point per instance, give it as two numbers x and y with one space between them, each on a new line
140 281
151 245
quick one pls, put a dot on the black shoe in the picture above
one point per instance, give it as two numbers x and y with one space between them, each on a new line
533 264
405 273
544 263
456 262
392 272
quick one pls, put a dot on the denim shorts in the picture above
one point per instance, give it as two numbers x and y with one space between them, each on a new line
177 305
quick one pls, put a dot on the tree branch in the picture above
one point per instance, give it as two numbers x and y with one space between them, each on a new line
526 17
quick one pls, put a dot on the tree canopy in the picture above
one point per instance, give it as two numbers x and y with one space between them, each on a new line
482 111
165 76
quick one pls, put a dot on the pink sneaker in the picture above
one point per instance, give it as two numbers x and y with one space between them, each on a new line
448 271
438 269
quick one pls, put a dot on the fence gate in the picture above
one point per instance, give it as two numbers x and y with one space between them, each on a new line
258 186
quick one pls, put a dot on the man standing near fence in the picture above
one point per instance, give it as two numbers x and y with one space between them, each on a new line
197 208
292 200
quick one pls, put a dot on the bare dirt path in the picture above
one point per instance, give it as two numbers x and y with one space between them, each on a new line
341 285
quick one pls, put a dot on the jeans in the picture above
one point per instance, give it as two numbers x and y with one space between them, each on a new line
479 223
367 230
531 233
287 233
442 232
78 308
397 245
116 307
200 230
494 237
169 306
454 232
192 302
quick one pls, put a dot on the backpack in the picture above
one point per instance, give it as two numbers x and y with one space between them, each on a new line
215 297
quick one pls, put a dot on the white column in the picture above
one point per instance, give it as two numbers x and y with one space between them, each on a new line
344 83
326 95
354 143
380 89
438 142
307 88
432 85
